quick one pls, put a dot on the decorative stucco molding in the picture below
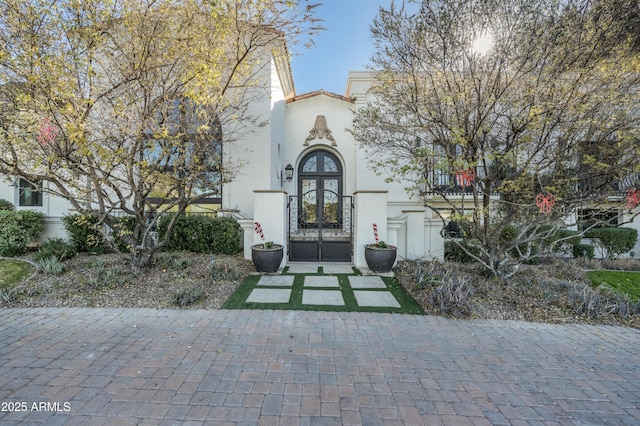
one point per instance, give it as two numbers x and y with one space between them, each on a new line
320 130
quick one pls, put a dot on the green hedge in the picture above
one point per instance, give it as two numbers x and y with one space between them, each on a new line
454 252
202 234
125 225
568 237
6 205
615 240
18 229
583 250
83 232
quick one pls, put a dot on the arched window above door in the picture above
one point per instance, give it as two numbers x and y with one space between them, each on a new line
320 162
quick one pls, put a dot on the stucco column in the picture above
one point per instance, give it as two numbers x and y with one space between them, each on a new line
270 211
393 230
434 241
415 234
247 236
369 207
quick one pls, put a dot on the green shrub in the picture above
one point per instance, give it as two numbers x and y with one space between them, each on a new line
125 225
567 236
107 276
172 261
18 229
564 240
84 233
6 205
202 234
51 265
226 236
56 247
614 240
583 250
187 296
509 234
454 252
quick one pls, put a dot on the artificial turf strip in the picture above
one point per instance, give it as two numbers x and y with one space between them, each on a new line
622 282
407 304
12 272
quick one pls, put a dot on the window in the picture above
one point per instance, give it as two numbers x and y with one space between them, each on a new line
597 218
30 194
186 142
445 173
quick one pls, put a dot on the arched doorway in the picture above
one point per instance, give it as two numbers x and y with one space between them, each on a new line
320 215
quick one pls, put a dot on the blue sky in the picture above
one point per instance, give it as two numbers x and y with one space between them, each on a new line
345 46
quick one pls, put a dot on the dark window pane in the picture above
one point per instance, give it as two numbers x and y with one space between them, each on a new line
30 194
309 200
330 199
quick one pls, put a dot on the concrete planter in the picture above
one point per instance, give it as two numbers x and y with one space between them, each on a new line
380 259
267 259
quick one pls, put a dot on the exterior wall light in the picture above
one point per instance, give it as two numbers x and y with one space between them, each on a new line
288 172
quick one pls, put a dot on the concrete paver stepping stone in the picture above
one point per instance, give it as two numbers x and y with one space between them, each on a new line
338 269
302 268
321 281
269 295
366 281
322 297
378 299
276 281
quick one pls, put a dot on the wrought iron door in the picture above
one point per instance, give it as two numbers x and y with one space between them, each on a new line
320 227
320 216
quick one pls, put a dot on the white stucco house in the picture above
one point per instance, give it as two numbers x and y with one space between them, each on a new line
310 185
303 177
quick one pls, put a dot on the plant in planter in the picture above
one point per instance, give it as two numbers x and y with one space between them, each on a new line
379 256
267 256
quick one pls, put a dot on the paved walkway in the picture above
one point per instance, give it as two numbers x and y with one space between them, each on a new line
137 366
324 290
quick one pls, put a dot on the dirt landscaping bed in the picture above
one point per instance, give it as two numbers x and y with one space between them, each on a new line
557 292
109 281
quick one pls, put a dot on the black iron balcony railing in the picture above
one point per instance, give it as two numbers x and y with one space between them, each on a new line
455 184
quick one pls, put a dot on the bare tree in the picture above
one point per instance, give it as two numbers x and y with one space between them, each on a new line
127 106
509 114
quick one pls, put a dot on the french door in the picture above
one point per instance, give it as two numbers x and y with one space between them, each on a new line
320 216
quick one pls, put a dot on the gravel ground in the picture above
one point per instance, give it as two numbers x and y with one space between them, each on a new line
109 281
553 293
557 292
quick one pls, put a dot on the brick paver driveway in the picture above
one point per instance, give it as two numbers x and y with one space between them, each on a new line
135 366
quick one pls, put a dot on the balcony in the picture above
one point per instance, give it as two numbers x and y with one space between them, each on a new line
453 184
